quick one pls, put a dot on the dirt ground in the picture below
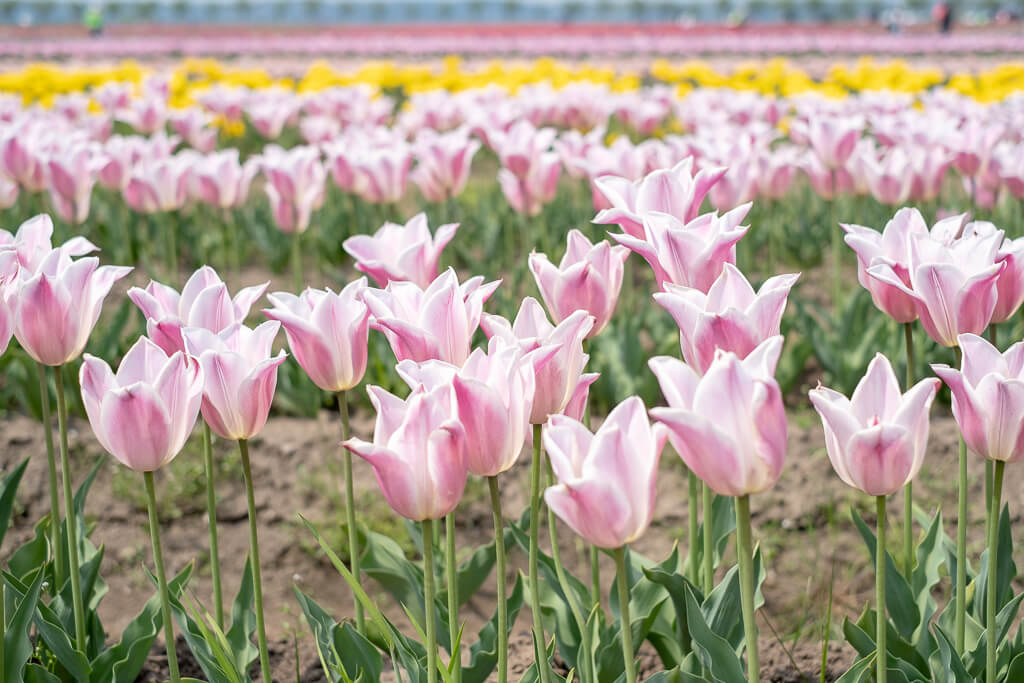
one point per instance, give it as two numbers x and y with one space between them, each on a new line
803 525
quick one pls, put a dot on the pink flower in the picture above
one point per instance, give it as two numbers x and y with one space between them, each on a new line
382 173
690 254
158 185
221 181
295 185
529 192
890 178
988 398
204 302
143 414
559 381
401 252
145 114
327 333
21 160
417 453
675 191
270 116
436 323
56 306
32 243
606 480
728 426
443 164
1010 285
72 176
588 278
831 137
730 317
877 439
241 376
194 125
8 272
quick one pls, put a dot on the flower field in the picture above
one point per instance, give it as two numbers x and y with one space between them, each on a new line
668 371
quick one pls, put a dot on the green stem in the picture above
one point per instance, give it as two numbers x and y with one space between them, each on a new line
881 617
595 576
172 247
232 258
993 564
161 577
908 490
350 507
538 623
694 498
211 516
428 595
708 559
837 249
297 275
961 539
254 552
627 633
988 492
499 549
70 517
55 541
745 554
453 596
3 623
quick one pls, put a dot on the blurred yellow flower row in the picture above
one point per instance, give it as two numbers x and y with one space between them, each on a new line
41 82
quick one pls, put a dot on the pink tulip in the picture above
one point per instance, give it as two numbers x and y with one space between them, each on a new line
988 398
143 414
691 254
20 159
8 273
382 173
675 191
242 376
952 283
401 252
890 178
9 192
606 480
145 114
436 323
443 164
56 306
32 243
730 317
728 426
270 116
492 394
417 453
159 185
588 278
204 302
295 185
194 125
559 382
1010 285
72 176
327 333
832 138
221 181
877 439
537 186
121 154
890 247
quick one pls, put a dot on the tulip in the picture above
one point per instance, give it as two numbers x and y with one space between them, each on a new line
832 138
295 185
32 243
988 404
528 192
72 176
221 181
675 191
1010 285
401 252
21 160
433 323
159 185
194 125
8 272
690 254
588 278
443 164
730 317
269 117
204 302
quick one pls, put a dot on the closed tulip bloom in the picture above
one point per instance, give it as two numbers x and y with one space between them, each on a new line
21 160
690 254
876 439
676 191
32 243
327 333
436 323
8 272
988 398
588 278
730 317
221 181
606 480
833 138
401 252
295 185
558 377
1010 285
158 185
56 307
143 414
417 453
196 127
728 426
383 172
204 302
72 176
443 164
527 193
953 284
890 247
243 376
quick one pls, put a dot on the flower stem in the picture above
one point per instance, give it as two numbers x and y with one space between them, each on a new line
995 506
428 595
745 555
161 577
595 576
350 507
709 564
453 595
70 517
499 549
881 617
694 495
211 516
254 551
908 490
961 540
56 546
171 245
627 634
3 623
297 275
837 248
538 623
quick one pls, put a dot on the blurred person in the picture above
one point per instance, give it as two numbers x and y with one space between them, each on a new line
93 20
942 13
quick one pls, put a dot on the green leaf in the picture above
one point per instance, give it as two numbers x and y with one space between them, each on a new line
952 666
861 636
32 557
37 674
243 622
1015 672
8 490
1006 571
344 653
715 653
17 640
384 561
472 574
860 670
483 654
975 657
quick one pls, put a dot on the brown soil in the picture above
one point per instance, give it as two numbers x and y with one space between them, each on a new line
802 524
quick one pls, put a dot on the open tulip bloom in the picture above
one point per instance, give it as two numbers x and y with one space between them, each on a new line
401 252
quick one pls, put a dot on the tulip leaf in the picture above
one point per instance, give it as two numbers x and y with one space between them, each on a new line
471 574
344 653
1006 571
37 674
715 653
32 557
860 671
8 490
952 666
483 654
243 622
1015 671
608 657
975 657
899 601
21 606
676 585
384 561
861 636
